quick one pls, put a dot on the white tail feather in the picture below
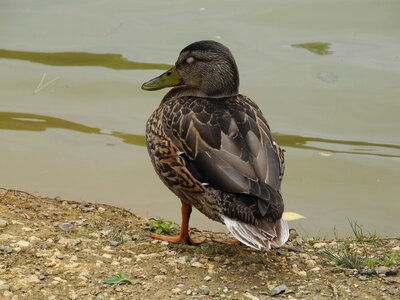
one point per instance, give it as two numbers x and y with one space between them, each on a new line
274 235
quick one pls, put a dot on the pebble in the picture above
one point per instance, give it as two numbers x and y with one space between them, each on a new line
204 291
278 289
32 279
6 249
87 209
207 278
100 297
3 223
4 285
33 239
73 295
27 229
250 296
315 270
69 242
393 291
397 249
23 244
197 264
319 245
113 243
310 263
15 222
66 226
101 209
160 278
176 290
295 249
303 273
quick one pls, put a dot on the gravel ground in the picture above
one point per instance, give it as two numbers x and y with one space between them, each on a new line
55 249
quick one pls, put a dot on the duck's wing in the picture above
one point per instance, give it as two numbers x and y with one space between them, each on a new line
228 144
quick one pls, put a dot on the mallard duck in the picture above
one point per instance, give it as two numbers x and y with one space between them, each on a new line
213 148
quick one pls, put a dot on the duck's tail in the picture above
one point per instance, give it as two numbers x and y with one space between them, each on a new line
263 235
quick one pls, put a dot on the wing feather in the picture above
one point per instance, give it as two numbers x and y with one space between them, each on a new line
230 145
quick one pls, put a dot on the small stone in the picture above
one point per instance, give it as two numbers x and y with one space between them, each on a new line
197 264
101 209
278 289
113 243
4 285
87 209
3 223
315 270
204 291
73 295
32 279
8 294
207 278
397 249
23 244
33 239
250 296
69 242
393 291
303 273
189 292
6 249
176 290
160 278
15 222
295 269
106 232
100 297
310 263
27 229
319 245
66 226
295 249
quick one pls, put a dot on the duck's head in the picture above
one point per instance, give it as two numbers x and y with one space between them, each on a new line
204 68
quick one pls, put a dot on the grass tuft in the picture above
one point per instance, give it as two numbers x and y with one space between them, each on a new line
161 226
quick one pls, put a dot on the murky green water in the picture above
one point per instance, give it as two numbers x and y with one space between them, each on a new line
326 74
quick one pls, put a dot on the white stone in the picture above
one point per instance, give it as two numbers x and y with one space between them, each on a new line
33 239
23 244
303 273
197 264
3 223
319 245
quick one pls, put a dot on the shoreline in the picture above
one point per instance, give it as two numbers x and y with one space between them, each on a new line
63 249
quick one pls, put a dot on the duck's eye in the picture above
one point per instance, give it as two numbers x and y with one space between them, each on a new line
190 59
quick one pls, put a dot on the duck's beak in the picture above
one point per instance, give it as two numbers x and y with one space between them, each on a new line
167 79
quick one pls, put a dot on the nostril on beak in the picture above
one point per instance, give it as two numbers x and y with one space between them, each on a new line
169 73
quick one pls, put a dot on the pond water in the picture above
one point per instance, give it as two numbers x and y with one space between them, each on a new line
326 75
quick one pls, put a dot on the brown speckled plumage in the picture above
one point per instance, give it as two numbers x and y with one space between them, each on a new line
216 153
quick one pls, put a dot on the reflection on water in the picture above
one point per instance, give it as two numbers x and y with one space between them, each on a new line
316 48
71 59
34 122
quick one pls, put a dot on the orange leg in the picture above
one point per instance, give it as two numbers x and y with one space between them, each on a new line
183 237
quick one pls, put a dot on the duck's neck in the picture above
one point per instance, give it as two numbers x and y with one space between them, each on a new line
181 91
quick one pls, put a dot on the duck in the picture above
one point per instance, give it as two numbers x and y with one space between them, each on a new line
213 148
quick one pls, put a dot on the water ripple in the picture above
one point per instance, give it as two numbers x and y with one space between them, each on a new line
35 122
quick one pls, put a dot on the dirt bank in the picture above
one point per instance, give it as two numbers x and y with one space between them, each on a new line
54 249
